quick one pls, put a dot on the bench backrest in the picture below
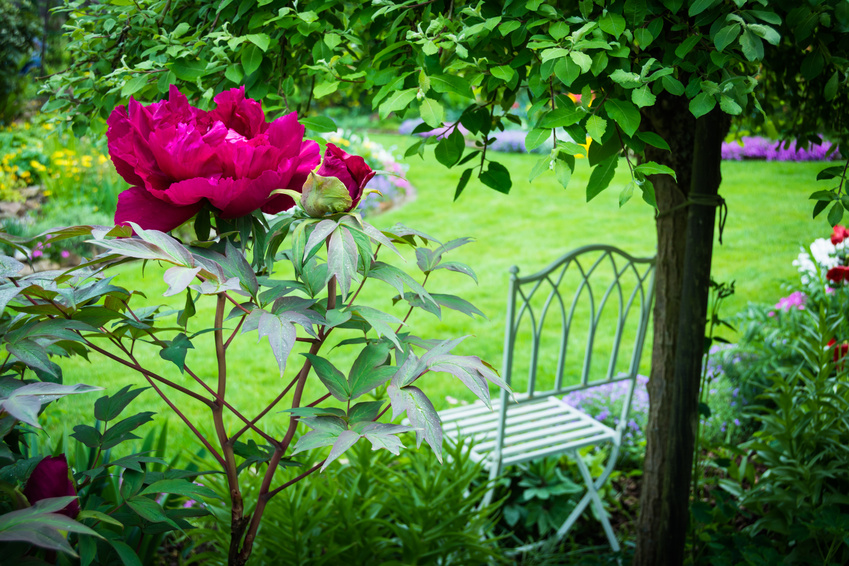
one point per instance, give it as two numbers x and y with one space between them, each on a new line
579 323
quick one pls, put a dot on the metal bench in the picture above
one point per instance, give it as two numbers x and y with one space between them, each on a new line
579 323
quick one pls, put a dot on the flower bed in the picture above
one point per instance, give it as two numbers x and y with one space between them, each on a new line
755 147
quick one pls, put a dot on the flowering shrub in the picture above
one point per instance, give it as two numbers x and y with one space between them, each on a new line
753 147
826 260
182 164
605 403
389 186
795 300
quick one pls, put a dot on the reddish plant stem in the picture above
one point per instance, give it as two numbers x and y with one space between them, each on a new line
251 423
216 397
264 494
319 400
238 522
146 372
235 331
277 490
232 300
409 312
189 424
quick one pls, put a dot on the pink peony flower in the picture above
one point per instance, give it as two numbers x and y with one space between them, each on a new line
176 157
352 170
839 234
52 478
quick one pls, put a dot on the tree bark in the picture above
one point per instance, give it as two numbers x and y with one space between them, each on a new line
682 282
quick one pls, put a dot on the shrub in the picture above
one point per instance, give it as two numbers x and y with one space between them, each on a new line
373 509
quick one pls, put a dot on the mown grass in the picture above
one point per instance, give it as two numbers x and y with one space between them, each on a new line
769 218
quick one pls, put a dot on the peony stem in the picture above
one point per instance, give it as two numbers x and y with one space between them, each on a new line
238 522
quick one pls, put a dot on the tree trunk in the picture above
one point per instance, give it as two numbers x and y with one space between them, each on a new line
682 282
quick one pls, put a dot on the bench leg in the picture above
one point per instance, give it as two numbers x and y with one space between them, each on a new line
591 495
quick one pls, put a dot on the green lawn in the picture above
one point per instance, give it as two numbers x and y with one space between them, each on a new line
769 218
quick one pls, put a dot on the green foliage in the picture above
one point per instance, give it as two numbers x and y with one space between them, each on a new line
20 27
371 509
419 59
128 502
802 443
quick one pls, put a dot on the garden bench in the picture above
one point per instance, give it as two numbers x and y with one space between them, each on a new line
577 324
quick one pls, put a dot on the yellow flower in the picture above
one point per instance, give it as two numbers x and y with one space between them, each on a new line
48 192
101 159
47 126
586 146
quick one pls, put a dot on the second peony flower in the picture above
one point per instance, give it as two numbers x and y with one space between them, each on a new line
177 157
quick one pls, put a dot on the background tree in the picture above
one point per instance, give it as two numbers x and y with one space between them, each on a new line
660 82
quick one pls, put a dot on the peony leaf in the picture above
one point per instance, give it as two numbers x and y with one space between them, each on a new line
369 371
423 417
379 321
342 255
345 440
331 377
178 279
383 435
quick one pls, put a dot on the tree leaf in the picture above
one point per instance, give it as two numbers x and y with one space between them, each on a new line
451 84
261 40
251 59
643 96
536 138
318 124
497 177
699 6
652 168
624 114
397 100
601 176
726 36
612 23
431 112
581 59
702 104
596 127
653 139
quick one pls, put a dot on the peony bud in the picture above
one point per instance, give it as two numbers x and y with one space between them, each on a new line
52 478
324 195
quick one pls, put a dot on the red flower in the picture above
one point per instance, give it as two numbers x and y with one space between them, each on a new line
839 234
840 352
176 157
838 274
51 478
352 170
